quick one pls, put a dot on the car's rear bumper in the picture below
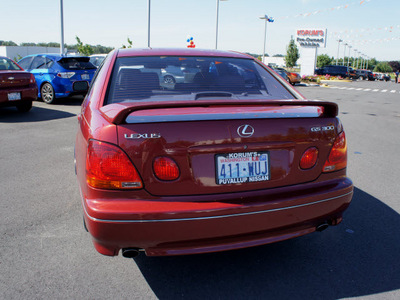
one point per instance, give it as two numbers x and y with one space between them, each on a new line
27 94
188 225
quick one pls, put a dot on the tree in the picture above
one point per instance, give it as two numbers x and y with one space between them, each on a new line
383 67
7 43
84 49
323 60
292 54
395 65
130 43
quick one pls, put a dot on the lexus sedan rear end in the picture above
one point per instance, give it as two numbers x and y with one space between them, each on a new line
232 157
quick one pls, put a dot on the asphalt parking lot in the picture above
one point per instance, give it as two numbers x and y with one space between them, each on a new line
45 252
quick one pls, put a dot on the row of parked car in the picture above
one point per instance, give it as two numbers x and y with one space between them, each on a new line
348 72
47 76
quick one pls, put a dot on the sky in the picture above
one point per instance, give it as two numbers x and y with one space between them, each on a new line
370 26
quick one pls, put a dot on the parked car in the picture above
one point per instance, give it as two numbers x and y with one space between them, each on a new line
382 76
57 75
178 74
97 59
293 78
17 87
282 72
365 75
230 159
352 73
332 70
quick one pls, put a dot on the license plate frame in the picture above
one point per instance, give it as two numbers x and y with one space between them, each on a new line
243 167
85 76
14 96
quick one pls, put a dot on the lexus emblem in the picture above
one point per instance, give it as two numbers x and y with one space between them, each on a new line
245 131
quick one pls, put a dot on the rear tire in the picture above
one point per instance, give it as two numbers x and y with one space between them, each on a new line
169 79
47 93
24 106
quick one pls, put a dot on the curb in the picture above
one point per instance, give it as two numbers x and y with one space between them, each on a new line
342 80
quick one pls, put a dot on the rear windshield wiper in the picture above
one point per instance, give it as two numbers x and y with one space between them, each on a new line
211 94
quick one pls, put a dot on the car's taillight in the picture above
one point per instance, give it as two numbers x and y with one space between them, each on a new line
32 79
66 74
338 156
108 167
165 168
309 158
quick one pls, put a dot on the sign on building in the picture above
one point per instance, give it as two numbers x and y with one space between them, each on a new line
309 40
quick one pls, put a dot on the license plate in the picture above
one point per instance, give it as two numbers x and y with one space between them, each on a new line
14 96
242 167
85 76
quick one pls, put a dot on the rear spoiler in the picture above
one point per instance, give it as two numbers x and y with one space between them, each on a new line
118 112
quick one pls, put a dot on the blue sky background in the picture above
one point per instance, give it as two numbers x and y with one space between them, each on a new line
109 23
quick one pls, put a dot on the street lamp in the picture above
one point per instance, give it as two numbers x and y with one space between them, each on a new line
267 19
337 57
62 28
348 58
148 23
216 27
355 56
344 53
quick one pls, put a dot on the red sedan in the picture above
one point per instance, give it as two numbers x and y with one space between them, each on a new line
17 87
230 157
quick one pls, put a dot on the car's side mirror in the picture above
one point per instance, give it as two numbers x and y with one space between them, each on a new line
80 86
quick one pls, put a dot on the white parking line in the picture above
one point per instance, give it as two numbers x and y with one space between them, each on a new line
362 89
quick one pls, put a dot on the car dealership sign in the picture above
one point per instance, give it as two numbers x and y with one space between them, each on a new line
311 37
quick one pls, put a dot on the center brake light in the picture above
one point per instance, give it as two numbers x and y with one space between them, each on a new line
108 167
338 156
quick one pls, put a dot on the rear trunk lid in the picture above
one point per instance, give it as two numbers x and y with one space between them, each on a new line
14 79
225 146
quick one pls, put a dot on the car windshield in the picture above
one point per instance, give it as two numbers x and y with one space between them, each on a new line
158 78
8 64
76 63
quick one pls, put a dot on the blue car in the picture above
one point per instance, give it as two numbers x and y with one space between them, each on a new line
56 75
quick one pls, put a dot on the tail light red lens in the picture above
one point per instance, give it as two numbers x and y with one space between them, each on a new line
32 79
309 158
338 156
108 167
165 168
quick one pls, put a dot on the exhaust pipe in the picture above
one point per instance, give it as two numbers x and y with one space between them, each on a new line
130 252
322 227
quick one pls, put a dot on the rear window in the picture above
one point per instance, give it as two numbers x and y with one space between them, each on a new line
159 78
8 64
76 63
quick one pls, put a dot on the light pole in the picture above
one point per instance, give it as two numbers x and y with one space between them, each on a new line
344 53
216 26
348 58
367 62
267 19
337 57
62 28
148 22
354 59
